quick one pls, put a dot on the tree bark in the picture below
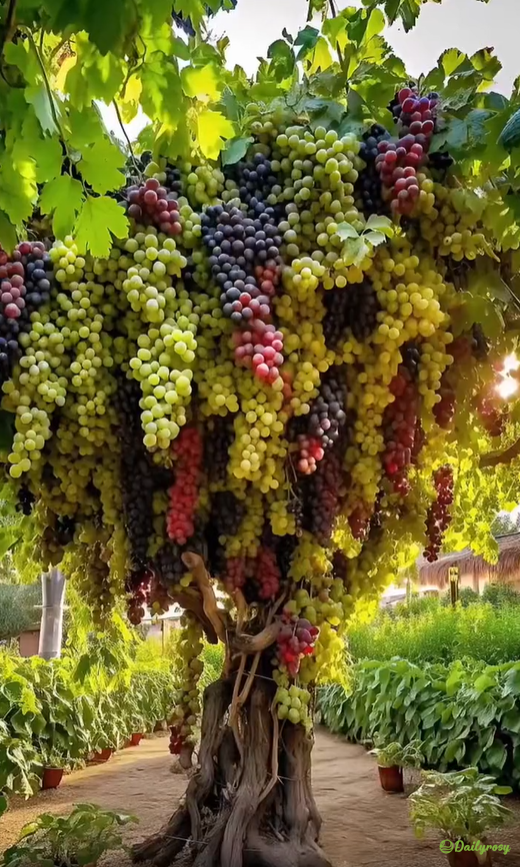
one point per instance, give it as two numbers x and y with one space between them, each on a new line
249 803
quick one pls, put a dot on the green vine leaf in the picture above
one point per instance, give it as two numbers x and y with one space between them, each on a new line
37 96
62 198
99 219
200 83
235 150
8 238
101 166
213 128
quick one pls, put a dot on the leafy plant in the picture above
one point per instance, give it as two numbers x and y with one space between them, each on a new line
462 805
465 713
407 756
68 841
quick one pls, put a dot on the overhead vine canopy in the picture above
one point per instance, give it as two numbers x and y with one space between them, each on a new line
261 343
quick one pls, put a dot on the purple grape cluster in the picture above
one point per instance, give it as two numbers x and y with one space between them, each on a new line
258 185
327 415
237 243
368 188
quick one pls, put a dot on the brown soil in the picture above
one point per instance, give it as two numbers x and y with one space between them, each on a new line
362 826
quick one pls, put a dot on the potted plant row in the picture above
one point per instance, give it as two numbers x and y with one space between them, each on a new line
53 765
392 758
462 806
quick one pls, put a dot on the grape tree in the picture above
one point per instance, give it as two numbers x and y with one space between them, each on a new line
257 350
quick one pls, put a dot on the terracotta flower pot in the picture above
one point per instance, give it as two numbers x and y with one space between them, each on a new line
468 859
102 756
52 777
136 739
391 778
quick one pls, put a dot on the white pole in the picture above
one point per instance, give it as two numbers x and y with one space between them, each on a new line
51 629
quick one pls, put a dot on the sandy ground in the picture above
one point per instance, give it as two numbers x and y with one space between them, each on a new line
362 826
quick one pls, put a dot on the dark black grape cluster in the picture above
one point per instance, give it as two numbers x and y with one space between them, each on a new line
167 564
440 161
323 500
285 548
38 273
226 513
355 307
411 357
137 477
64 530
236 244
368 188
26 500
327 415
173 182
257 184
362 310
216 448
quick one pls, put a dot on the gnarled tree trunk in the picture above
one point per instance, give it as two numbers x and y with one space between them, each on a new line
249 803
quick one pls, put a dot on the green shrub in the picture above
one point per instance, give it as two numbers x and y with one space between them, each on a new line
19 609
463 713
78 839
440 634
499 595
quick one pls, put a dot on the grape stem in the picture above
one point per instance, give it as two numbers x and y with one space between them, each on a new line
9 26
334 14
129 143
261 641
493 459
195 564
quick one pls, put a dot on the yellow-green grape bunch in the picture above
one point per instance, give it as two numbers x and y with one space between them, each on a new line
293 704
68 264
203 184
454 225
186 710
149 260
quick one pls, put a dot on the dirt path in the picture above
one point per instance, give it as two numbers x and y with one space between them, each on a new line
362 827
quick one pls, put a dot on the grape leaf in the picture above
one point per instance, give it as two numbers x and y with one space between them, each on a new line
346 230
129 103
19 54
282 59
235 150
201 82
17 189
213 127
36 95
307 38
106 22
380 224
100 166
8 238
321 58
99 219
375 238
62 198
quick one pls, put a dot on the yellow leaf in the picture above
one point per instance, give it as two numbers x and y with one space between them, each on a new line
65 68
321 58
130 100
213 127
201 83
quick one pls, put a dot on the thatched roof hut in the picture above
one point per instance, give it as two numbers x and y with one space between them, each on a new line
474 571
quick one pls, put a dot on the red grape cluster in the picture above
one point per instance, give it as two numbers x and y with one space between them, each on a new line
493 417
260 347
438 518
176 741
399 429
136 584
359 522
296 639
188 451
310 452
444 411
235 573
150 202
25 283
398 161
325 496
267 574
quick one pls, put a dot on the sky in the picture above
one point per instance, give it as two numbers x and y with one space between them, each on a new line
464 24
